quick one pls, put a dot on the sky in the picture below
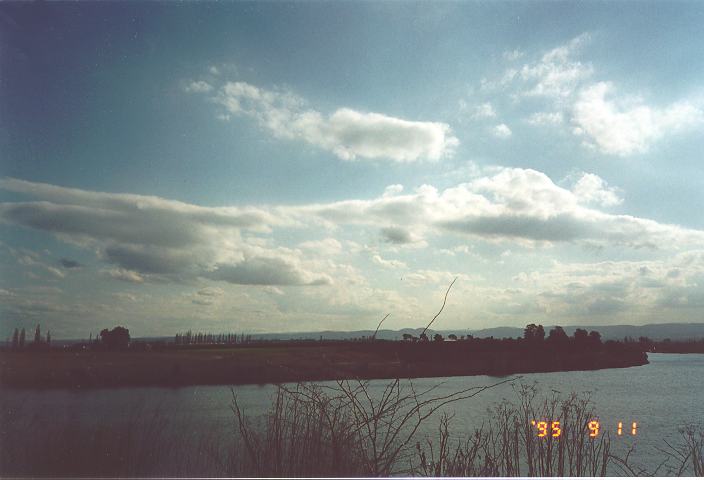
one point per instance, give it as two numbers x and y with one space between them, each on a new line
304 166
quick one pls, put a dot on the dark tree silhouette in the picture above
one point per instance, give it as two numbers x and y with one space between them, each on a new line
423 337
534 333
37 335
558 337
581 338
595 338
437 337
117 338
48 337
452 336
16 339
22 337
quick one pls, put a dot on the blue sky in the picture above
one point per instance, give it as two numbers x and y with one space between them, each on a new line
303 166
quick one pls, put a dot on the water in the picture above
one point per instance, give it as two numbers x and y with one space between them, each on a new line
660 397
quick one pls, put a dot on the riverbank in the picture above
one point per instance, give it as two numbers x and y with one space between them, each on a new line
292 362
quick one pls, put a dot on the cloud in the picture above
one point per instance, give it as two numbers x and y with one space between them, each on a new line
485 110
556 74
388 263
613 125
392 190
55 272
347 133
520 206
609 288
626 127
327 246
502 131
545 118
396 235
124 275
513 204
149 237
69 264
593 189
29 258
266 271
199 86
202 301
210 292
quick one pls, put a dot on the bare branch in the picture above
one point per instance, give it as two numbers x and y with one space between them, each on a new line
441 308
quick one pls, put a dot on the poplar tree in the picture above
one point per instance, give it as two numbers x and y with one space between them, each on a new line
22 335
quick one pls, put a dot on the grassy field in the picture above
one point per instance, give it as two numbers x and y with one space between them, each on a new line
265 363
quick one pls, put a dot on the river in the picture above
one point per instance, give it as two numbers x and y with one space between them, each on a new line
659 397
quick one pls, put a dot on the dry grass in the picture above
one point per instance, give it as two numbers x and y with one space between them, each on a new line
507 444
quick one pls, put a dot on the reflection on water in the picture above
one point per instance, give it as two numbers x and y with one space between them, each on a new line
661 396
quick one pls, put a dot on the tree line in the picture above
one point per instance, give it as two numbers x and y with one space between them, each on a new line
532 334
201 338
19 339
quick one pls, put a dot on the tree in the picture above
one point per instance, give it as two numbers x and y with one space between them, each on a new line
16 339
37 335
595 338
452 336
581 338
540 333
423 337
558 336
117 338
407 337
22 336
534 333
48 337
437 337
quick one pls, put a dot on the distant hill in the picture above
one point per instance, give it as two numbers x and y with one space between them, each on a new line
654 331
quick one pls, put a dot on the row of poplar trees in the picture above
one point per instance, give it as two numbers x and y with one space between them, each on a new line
18 337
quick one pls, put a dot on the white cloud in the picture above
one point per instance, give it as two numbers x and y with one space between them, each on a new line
518 205
124 275
556 74
199 86
153 239
392 190
626 127
388 263
591 188
56 272
327 246
502 131
347 133
485 110
610 288
545 118
615 126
